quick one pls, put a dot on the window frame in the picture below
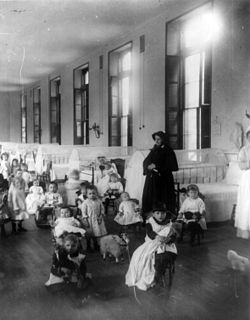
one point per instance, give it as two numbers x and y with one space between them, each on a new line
84 139
38 105
121 74
57 100
23 103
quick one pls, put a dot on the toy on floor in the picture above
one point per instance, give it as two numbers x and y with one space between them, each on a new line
237 262
114 245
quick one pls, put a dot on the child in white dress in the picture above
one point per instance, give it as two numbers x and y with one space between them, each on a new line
129 211
149 261
17 205
92 211
192 212
113 191
5 168
67 223
103 177
35 198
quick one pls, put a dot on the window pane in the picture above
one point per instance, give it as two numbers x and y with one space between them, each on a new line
124 131
79 129
125 96
78 112
114 127
192 76
86 78
190 129
126 62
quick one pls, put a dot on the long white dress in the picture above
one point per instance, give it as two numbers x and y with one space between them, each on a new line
242 214
128 213
141 272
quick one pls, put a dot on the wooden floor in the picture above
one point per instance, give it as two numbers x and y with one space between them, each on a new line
203 285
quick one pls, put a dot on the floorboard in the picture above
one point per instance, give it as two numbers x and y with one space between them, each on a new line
203 285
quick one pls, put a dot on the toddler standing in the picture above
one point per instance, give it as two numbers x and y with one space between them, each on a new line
93 217
16 201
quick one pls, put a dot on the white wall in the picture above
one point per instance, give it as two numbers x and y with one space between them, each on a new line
230 81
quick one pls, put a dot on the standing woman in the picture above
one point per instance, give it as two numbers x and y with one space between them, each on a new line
242 215
158 167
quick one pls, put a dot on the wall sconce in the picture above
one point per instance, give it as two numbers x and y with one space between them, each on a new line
96 128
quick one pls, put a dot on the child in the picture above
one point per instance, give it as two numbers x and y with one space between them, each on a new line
93 216
52 201
68 264
114 186
16 201
5 168
150 260
26 176
35 198
4 185
103 177
192 212
67 223
4 216
14 167
71 186
129 211
82 193
114 190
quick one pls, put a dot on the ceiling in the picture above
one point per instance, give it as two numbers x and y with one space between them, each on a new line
38 37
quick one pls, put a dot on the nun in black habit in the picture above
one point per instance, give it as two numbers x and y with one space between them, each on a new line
158 167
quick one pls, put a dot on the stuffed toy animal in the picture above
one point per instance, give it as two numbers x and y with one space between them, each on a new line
238 262
114 245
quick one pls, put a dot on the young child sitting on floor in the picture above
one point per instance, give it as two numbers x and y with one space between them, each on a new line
52 202
68 264
129 211
67 223
150 260
92 211
35 198
192 213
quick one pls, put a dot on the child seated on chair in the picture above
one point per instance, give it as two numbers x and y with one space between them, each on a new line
67 223
113 192
52 202
35 198
192 212
129 211
150 261
103 177
68 264
92 218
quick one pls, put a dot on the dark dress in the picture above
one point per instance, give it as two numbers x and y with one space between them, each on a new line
159 185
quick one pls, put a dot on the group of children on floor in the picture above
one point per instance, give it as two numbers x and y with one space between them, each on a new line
87 220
